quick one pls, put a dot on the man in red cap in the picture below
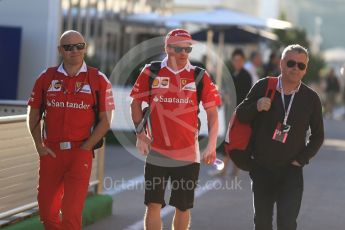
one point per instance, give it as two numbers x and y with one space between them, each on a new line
170 141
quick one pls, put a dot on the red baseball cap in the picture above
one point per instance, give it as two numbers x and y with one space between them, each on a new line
178 36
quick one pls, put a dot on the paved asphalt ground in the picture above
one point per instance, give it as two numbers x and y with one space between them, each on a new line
223 204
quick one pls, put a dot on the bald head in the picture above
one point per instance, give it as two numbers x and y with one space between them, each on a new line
71 37
72 49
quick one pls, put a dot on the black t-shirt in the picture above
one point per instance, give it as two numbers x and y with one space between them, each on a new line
243 83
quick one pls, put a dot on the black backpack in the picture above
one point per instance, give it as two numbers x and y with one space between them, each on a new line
154 70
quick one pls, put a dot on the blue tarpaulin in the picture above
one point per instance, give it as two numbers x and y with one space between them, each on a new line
10 39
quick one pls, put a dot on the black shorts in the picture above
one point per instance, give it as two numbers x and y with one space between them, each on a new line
183 181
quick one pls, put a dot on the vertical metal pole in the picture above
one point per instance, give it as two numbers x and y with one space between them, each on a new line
220 59
209 43
104 53
69 16
79 19
100 168
87 21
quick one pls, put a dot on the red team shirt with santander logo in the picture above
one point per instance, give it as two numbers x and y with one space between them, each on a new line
69 103
174 109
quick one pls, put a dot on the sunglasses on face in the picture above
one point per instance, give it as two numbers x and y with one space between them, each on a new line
69 47
179 49
292 63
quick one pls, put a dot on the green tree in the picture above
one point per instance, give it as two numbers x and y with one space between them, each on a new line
299 36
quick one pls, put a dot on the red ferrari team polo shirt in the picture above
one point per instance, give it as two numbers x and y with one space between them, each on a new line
174 109
69 102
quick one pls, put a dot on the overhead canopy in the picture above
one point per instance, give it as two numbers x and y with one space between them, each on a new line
222 25
236 35
219 20
211 18
221 17
151 19
218 17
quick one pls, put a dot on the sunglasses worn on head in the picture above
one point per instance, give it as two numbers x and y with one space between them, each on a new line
292 63
179 49
69 47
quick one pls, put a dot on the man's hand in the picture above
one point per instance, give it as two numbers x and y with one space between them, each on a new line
143 143
43 150
209 155
295 163
86 146
34 126
263 104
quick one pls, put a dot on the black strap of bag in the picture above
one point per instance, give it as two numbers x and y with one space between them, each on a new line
198 79
95 87
154 70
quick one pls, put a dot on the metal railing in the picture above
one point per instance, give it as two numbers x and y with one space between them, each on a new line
12 107
19 164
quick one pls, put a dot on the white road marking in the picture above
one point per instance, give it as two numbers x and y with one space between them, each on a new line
337 143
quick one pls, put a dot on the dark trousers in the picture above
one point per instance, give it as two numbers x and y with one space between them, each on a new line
283 186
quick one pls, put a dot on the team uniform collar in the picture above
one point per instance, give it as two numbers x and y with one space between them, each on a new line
82 69
164 63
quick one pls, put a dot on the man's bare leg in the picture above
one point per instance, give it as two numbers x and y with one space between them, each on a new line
181 220
152 219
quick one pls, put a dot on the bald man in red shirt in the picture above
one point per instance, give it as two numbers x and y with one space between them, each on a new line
65 146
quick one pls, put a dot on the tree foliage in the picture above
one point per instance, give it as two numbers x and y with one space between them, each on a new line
297 35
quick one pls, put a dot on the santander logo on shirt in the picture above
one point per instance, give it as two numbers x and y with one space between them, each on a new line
60 104
173 100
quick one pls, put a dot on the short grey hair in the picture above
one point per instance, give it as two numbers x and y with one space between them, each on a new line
295 48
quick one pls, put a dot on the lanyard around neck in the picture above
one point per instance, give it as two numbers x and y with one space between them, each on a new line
286 111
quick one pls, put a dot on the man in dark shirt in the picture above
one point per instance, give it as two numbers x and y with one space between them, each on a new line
243 82
332 90
271 68
279 141
240 76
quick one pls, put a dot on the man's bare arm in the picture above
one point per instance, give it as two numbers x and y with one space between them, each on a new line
209 155
34 125
100 130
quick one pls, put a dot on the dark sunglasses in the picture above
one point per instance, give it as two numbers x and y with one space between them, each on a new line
69 47
292 63
179 49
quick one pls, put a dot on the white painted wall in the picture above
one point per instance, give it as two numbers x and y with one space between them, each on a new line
246 6
196 3
259 8
40 21
268 9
